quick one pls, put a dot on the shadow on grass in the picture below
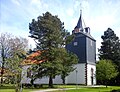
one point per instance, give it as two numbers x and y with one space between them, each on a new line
28 86
116 90
7 87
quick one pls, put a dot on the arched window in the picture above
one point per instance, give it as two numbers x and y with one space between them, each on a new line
92 72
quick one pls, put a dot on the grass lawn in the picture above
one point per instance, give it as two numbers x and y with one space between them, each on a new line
94 89
13 90
10 88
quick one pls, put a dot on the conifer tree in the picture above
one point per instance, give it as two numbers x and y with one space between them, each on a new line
50 36
110 49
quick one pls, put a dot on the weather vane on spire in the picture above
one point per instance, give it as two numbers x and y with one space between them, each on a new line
80 8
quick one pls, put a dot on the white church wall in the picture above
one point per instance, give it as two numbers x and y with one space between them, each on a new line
57 80
44 80
89 80
77 76
25 79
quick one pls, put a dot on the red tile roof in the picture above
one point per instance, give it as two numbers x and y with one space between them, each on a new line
31 59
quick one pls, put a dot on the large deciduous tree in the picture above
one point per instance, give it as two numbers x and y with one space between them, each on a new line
4 51
19 47
13 50
105 70
110 49
50 36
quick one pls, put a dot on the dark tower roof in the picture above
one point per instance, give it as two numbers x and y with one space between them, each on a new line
79 27
79 24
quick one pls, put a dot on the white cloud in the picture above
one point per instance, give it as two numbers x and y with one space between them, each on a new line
85 4
38 5
85 7
102 22
16 2
35 1
76 4
70 12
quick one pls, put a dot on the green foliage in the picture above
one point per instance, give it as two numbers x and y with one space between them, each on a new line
110 49
68 60
50 36
69 38
4 51
48 31
105 70
13 52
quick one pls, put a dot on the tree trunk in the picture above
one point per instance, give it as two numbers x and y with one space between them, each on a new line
3 62
50 82
17 83
106 84
16 88
32 82
63 80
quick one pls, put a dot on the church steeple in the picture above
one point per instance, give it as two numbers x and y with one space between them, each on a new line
79 24
81 27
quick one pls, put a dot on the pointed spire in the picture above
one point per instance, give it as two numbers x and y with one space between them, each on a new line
79 26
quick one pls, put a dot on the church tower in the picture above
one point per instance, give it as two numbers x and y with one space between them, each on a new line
84 46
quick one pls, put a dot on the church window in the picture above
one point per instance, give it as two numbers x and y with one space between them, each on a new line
92 75
92 72
75 43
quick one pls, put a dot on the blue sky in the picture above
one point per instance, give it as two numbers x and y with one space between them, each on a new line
15 15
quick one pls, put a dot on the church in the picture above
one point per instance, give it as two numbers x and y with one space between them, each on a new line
84 46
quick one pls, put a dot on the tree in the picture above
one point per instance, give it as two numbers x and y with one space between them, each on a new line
105 70
110 49
18 49
12 51
68 61
4 51
49 34
16 70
